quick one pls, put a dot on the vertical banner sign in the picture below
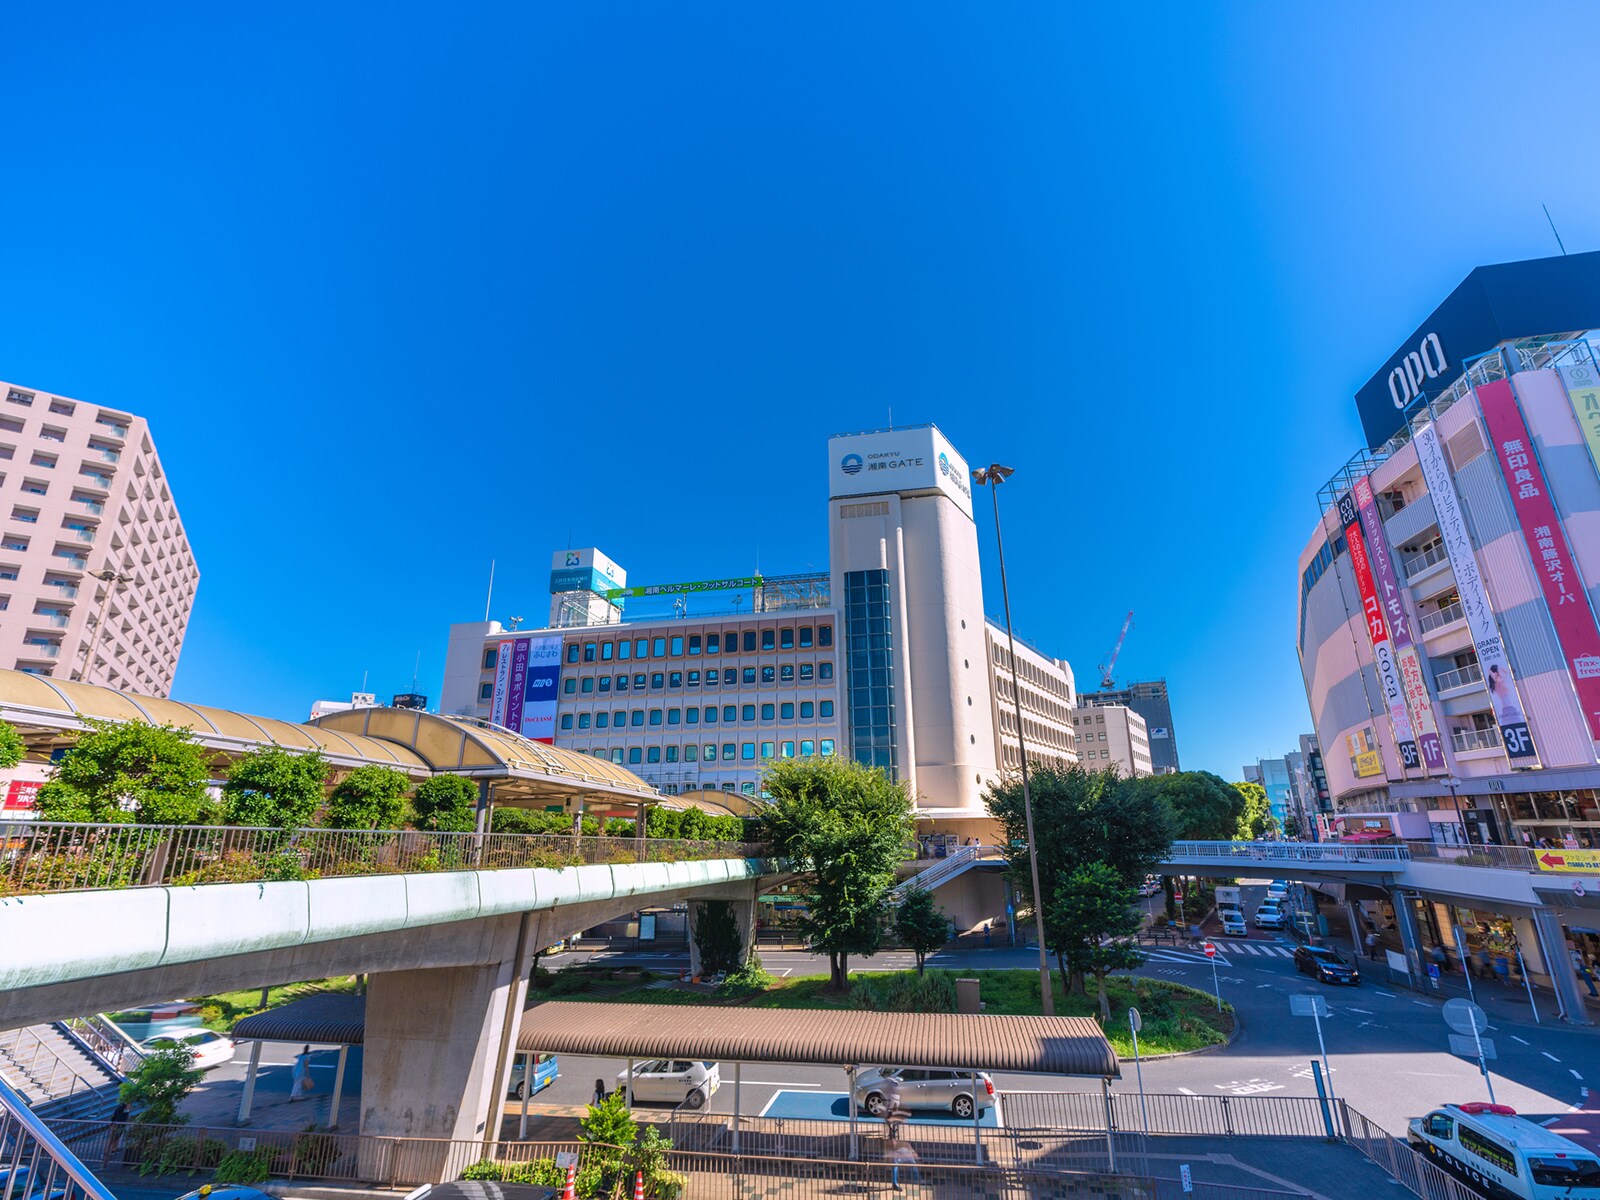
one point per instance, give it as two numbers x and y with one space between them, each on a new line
1412 681
1474 600
541 692
1547 544
502 679
1582 381
1372 615
516 686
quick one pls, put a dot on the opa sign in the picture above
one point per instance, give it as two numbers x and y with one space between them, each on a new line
1427 361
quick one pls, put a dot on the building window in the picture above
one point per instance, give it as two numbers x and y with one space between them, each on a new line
634 754
786 673
566 720
713 644
730 751
590 650
677 646
825 670
745 789
786 639
602 720
767 711
658 648
805 637
694 644
691 716
655 716
827 747
747 751
749 675
806 710
788 750
748 713
694 678
587 685
807 749
827 708
674 715
657 680
605 683
825 635
787 711
730 713
730 676
638 683
572 652
750 641
675 679
636 718
711 714
619 718
606 651
622 683
712 677
710 752
672 754
616 755
767 642
491 658
583 720
569 686
805 672
624 650
653 754
486 691
691 752
641 648
766 750
768 674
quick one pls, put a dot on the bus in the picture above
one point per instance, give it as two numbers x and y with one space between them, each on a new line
1505 1156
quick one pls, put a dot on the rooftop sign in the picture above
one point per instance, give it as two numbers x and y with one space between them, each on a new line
903 461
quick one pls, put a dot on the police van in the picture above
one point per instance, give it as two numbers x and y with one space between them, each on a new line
1504 1155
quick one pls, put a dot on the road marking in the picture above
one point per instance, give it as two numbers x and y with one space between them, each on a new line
781 1083
1381 992
1515 1038
1362 1011
1550 1056
1187 1091
1549 1120
1575 1075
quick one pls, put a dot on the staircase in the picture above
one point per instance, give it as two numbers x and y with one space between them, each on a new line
943 871
57 1073
35 1162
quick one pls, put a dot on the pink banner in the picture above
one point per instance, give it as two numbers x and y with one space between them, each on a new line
1547 545
1378 633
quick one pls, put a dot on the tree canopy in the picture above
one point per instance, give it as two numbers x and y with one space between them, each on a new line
447 804
275 787
128 771
11 746
846 828
1089 914
1204 806
921 925
1255 814
370 797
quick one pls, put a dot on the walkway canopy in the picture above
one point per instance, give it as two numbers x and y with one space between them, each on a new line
333 1019
958 1042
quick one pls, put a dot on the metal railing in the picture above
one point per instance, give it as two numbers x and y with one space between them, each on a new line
1441 616
1418 563
1465 740
1210 1116
1287 852
35 1162
110 1041
34 1066
46 856
1505 858
1472 673
1402 1163
933 876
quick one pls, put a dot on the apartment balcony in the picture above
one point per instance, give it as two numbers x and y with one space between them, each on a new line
1418 563
83 535
67 591
1464 741
1442 617
76 562
93 507
55 620
110 456
43 649
1466 676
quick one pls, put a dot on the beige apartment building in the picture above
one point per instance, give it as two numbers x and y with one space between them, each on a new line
1113 735
97 579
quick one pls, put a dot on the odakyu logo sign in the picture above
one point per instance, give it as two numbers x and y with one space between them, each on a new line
851 464
574 558
954 474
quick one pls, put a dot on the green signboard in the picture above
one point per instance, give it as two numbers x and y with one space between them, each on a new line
680 589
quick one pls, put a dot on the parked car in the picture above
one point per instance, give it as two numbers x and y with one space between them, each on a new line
1150 886
673 1081
1269 915
1277 890
544 1074
1233 922
1323 963
210 1048
941 1091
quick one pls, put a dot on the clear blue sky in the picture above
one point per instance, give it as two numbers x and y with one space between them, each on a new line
405 288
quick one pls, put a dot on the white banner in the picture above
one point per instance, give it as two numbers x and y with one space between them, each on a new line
502 683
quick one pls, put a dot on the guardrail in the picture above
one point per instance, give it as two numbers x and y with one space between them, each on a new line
43 856
108 1040
35 1162
1334 855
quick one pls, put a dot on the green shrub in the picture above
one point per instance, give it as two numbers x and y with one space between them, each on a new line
568 983
931 993
485 1169
244 1166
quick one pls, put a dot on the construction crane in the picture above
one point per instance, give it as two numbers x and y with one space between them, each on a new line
1106 682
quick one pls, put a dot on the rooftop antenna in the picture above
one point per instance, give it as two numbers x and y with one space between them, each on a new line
891 418
1547 217
489 599
363 681
416 669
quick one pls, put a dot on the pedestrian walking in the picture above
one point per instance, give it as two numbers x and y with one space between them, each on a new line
1582 968
118 1118
599 1096
1372 944
300 1082
902 1155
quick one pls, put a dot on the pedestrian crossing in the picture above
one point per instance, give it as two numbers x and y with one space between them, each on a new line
1268 949
1227 953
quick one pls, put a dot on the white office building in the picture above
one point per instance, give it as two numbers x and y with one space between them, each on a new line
1113 735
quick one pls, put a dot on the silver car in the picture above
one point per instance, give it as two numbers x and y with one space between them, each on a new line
879 1088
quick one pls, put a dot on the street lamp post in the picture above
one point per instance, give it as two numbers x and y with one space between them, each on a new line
1451 782
994 475
111 579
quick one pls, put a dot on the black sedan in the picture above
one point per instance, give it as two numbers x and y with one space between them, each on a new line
1324 964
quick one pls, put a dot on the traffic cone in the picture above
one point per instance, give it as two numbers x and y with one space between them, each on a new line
638 1185
570 1192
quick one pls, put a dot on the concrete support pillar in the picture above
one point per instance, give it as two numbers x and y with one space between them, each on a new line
1406 919
250 1083
1552 945
638 829
338 1088
744 913
691 925
1528 942
1358 929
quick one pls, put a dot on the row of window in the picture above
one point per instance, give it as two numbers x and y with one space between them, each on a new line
639 718
731 677
707 752
679 645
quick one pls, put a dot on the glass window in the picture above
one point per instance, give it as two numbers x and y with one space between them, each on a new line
766 749
768 711
624 650
569 686
653 754
786 639
710 752
672 754
619 718
694 643
605 683
747 751
674 715
788 750
767 642
825 670
730 712
658 648
587 684
691 716
636 717
786 673
750 641
566 720
622 683
638 683
602 720
677 646
805 672
749 675
694 678
711 714
573 651
590 651
491 659
787 711
486 691
768 674
713 644
641 647
675 679
805 710
747 789
807 749
805 637
730 751
691 752
657 680
827 747
616 754
827 708
824 635
730 676
748 713
655 716
583 720
606 650
634 754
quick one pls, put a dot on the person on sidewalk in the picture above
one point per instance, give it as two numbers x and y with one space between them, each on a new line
902 1155
300 1084
1582 968
1372 944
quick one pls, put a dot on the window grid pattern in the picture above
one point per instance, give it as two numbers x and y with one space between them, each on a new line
869 669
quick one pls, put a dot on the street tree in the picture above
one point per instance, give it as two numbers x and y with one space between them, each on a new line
1086 922
845 827
275 787
921 925
716 936
370 797
12 747
1080 817
1255 815
446 804
128 771
1205 808
156 1087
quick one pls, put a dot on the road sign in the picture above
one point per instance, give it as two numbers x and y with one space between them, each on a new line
1464 1016
1135 1020
1211 951
1188 1179
1465 1046
1308 1006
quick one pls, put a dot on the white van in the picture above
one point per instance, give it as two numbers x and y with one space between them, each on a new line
1504 1155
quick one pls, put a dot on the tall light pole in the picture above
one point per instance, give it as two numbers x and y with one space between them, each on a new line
994 475
111 579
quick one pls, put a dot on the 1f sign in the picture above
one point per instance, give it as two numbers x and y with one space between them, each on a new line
1427 361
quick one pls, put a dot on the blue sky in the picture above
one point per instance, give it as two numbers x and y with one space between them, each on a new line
405 288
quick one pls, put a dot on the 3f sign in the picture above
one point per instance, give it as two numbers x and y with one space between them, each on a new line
1427 361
